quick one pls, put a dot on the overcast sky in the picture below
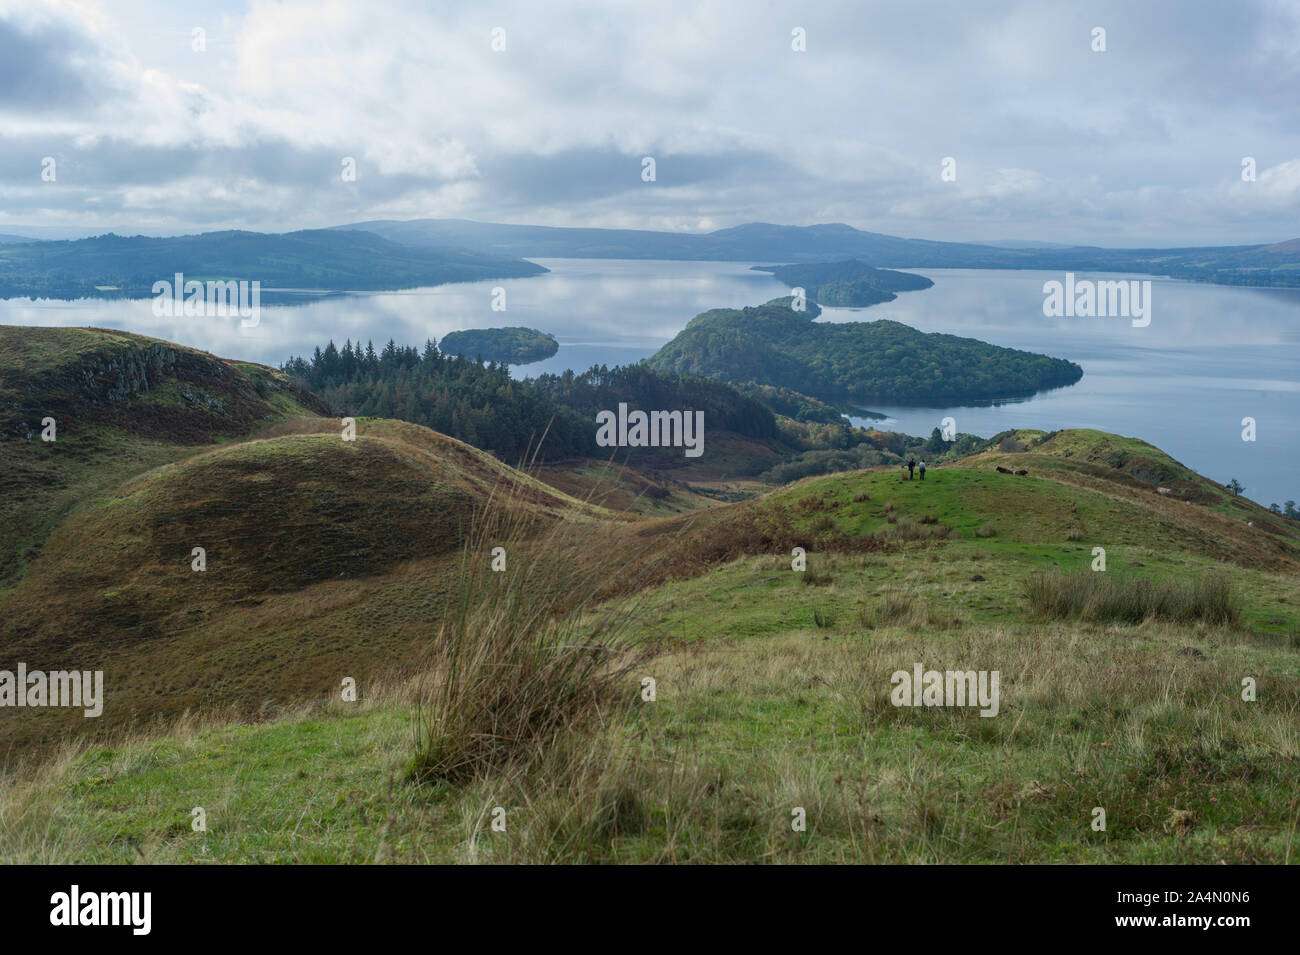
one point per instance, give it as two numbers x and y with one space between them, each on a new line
1140 144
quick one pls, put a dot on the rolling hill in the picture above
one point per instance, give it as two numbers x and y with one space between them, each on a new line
120 403
329 559
157 446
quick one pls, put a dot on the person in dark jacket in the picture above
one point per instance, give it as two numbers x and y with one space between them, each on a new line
911 467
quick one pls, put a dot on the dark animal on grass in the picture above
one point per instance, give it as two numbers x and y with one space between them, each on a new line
1023 472
1002 470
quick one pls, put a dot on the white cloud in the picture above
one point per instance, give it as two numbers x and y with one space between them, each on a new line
1052 141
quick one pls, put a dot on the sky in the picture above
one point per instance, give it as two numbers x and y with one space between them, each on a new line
544 112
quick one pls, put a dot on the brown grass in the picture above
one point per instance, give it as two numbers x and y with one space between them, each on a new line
525 658
1105 598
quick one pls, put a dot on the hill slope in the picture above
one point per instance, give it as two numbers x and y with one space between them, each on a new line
159 449
774 691
340 550
121 403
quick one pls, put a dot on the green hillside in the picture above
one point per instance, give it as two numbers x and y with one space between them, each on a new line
1121 689
773 693
121 403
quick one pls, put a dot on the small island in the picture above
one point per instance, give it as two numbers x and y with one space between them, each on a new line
514 346
850 284
853 361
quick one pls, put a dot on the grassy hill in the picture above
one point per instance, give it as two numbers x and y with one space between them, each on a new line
160 449
342 550
329 559
121 403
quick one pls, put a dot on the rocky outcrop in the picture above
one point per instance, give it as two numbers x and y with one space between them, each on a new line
135 369
151 388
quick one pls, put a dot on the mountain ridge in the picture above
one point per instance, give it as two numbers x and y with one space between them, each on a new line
112 265
1261 264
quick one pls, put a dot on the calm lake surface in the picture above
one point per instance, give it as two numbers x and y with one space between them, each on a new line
1211 356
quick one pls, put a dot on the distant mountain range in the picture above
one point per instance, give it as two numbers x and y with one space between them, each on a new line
1277 264
387 254
326 259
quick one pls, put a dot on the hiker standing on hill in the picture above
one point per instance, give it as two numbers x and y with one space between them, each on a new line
911 467
922 470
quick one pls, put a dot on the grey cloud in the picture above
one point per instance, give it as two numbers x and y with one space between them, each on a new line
1053 141
38 67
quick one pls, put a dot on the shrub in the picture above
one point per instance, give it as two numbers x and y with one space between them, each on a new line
894 606
905 529
1102 598
524 656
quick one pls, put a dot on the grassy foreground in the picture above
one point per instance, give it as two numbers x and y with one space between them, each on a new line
772 694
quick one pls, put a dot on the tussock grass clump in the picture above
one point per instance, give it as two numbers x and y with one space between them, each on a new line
704 541
906 529
1102 598
895 605
814 578
986 530
525 656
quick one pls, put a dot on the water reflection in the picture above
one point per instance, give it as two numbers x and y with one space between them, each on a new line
1211 356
